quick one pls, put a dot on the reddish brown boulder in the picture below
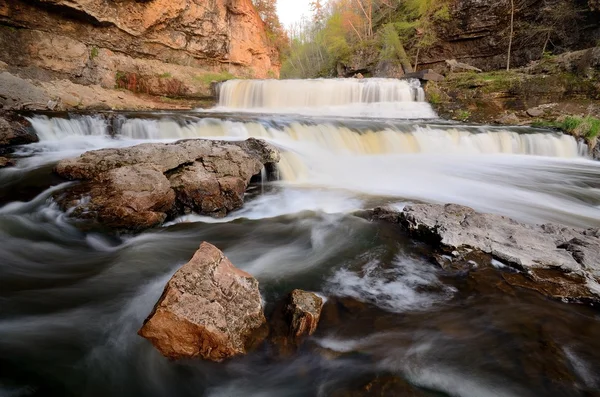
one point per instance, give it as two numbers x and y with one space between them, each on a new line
139 187
295 318
209 309
133 197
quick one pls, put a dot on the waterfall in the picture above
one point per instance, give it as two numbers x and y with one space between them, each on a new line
381 98
305 142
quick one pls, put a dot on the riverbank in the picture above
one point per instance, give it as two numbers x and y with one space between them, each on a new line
544 94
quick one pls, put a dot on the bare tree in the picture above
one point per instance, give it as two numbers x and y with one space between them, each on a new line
512 32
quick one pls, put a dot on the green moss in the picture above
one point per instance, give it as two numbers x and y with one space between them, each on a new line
587 127
166 75
463 115
94 53
210 77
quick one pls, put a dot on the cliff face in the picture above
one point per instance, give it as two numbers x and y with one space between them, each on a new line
478 31
159 47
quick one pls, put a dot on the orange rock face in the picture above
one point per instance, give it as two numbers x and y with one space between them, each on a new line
164 46
209 309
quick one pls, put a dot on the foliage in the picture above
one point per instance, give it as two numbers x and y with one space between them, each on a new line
165 75
588 127
267 10
390 30
463 115
94 53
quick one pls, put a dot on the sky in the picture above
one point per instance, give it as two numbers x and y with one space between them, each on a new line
291 11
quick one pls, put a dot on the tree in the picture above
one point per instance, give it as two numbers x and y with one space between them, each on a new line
512 32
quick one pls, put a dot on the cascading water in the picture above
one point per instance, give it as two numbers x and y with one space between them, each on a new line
387 98
73 300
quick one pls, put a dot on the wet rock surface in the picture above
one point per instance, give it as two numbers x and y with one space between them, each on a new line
140 187
555 260
209 309
295 318
6 162
13 131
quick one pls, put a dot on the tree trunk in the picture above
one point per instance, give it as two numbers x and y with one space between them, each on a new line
512 31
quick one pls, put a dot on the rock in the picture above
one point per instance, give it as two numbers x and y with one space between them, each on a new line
555 260
162 48
454 65
134 197
4 162
358 76
381 386
295 318
209 309
14 132
508 119
141 186
535 112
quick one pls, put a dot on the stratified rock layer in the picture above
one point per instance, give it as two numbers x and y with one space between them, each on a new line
140 187
209 309
174 48
555 260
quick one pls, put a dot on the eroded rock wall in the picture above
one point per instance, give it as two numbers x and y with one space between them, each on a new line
478 32
167 47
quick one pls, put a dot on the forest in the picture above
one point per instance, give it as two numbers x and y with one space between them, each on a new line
399 34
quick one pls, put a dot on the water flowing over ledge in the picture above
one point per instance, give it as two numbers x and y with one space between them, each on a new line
383 98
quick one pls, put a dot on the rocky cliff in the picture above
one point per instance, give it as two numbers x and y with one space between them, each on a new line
173 48
478 31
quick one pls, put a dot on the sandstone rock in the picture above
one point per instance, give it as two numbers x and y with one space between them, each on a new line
558 261
4 162
14 133
209 309
95 42
535 112
140 187
134 197
508 119
454 65
295 318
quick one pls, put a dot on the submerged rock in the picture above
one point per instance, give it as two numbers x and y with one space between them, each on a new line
140 187
209 309
295 318
555 260
381 386
5 162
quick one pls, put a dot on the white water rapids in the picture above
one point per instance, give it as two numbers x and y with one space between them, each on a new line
530 175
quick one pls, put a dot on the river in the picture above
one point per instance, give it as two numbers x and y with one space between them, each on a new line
72 300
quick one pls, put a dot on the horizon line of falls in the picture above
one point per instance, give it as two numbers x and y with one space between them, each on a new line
374 97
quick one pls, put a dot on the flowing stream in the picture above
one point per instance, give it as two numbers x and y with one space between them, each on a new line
71 301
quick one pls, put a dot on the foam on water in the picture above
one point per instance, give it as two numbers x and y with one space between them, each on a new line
534 177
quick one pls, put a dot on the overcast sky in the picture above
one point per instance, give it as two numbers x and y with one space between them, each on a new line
291 11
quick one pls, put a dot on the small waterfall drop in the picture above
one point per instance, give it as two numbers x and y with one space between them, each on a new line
380 98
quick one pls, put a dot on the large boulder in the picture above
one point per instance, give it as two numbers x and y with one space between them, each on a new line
295 318
134 197
555 260
13 131
209 309
140 187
